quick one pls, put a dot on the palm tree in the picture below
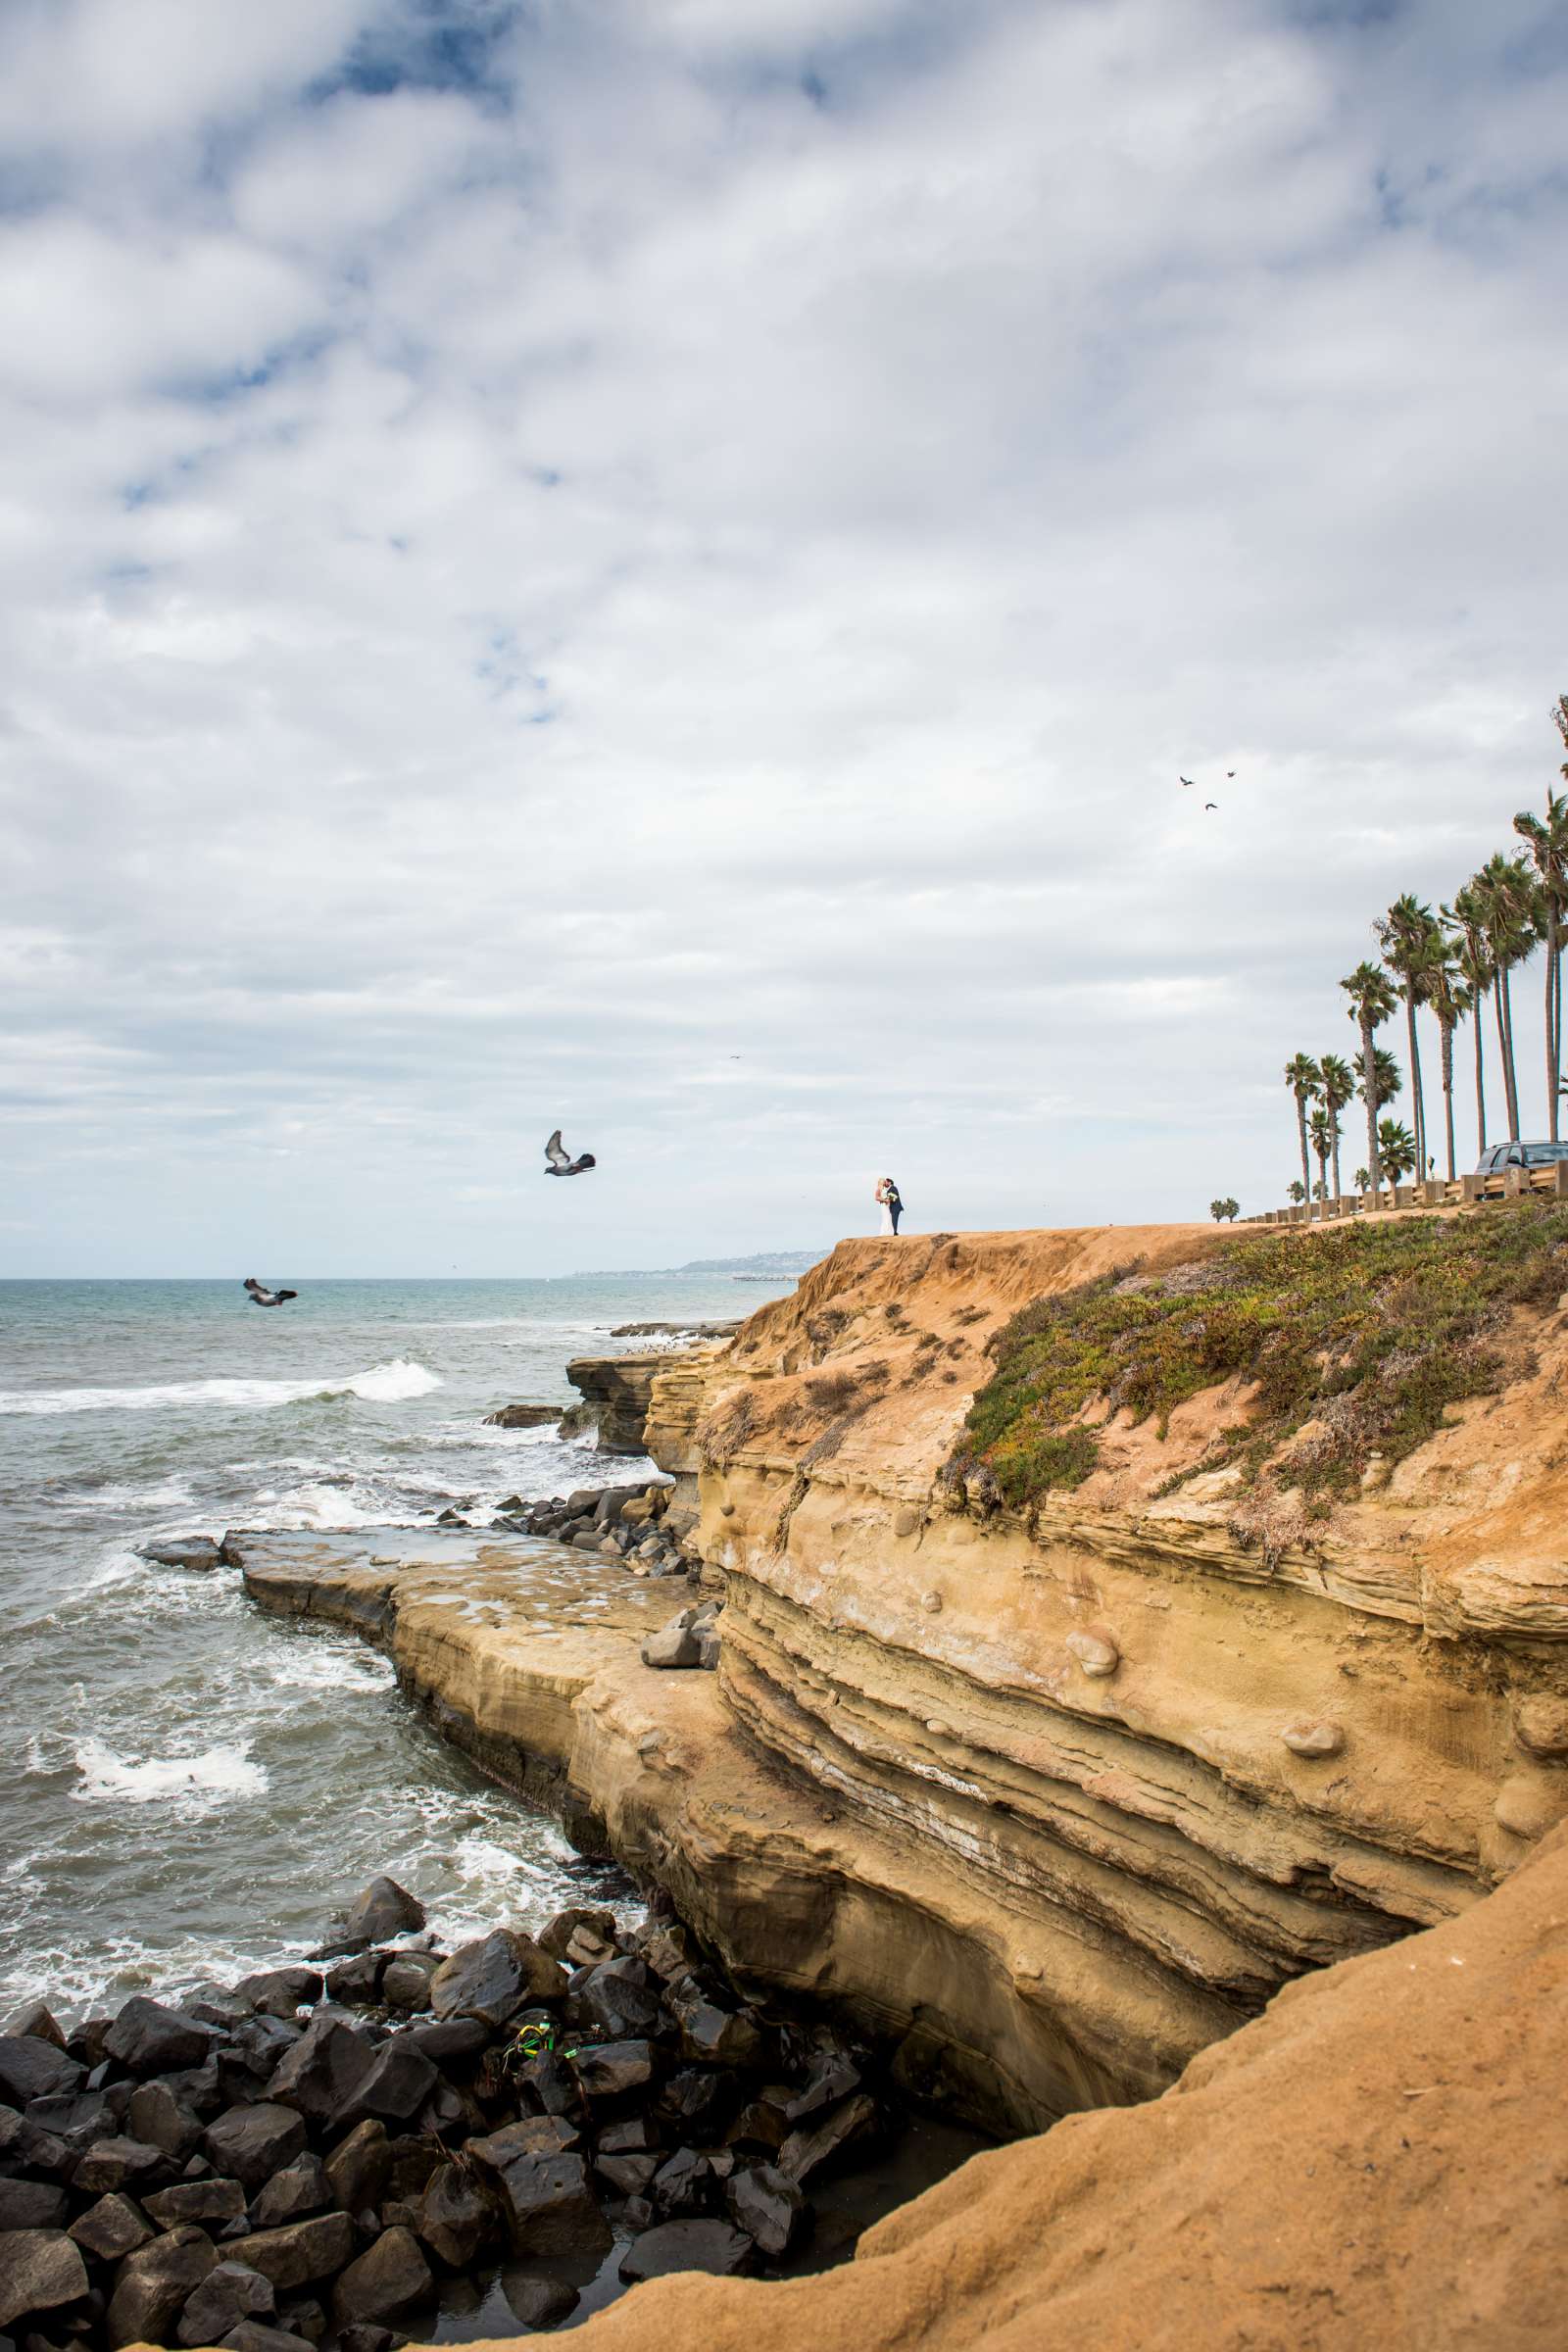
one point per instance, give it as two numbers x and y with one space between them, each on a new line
1224 1209
1303 1078
1324 1132
1372 999
1406 936
1511 904
1466 920
1451 999
1297 1190
1338 1081
1363 1178
1396 1149
1384 1069
1547 842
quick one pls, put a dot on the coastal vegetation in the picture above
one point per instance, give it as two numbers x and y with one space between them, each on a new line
1451 964
1354 1343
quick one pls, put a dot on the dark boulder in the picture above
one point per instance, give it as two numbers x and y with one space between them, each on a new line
381 1910
157 2117
320 2075
711 2245
495 1977
357 2168
254 2052
410 2159
356 1981
252 2335
768 2206
111 2228
761 2123
626 2176
387 2279
251 2143
206 2201
452 2042
299 2189
683 2184
524 1416
549 2084
831 2077
301 2251
80 2117
538 2303
630 2136
533 2135
154 2283
696 2100
32 2205
549 2206
32 2068
608 2070
394 2086
619 2001
111 2164
40 2270
85 2042
458 2215
715 2036
279 1991
812 2145
148 2039
359 2336
229 2293
581 1920
33 2018
406 1984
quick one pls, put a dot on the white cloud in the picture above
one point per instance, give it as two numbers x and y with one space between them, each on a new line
516 590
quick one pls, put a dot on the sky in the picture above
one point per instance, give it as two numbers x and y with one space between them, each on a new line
653 568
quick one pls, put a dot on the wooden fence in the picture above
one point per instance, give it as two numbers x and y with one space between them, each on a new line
1435 1192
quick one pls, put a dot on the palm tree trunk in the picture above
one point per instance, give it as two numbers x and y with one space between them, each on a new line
1418 1108
1554 1032
1374 1166
1307 1164
1334 1115
1481 1082
1445 1032
1499 995
1557 1036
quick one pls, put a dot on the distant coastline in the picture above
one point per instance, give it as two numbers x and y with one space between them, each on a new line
761 1266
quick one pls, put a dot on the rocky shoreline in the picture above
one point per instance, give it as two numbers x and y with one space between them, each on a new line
335 2154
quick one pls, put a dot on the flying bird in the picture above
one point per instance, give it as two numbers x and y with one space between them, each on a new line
561 1162
1230 775
1187 780
260 1296
1211 804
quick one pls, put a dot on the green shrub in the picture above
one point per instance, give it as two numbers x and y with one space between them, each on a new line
1369 1331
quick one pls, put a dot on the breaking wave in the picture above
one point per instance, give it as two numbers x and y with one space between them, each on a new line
383 1384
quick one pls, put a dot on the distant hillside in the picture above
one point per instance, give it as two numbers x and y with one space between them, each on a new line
763 1266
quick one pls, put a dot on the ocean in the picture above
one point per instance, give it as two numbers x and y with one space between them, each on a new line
189 1789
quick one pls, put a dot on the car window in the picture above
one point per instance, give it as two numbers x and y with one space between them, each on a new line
1516 1158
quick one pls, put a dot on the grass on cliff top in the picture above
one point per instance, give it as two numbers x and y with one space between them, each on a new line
1368 1332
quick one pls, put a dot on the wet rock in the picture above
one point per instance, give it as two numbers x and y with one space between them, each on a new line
252 2336
387 2279
198 1552
626 2176
548 2085
706 2245
394 2086
204 2201
322 2070
359 2167
109 2164
148 2039
608 2070
524 1416
549 2206
831 2077
33 2018
539 2303
301 2189
154 2283
32 2068
32 2205
279 1991
632 2135
355 1981
229 2293
495 1977
113 2227
696 2100
409 2163
250 2144
381 1910
40 2270
406 1984
451 2041
457 2215
157 2117
618 2001
811 2147
556 1935
301 2251
718 2036
534 2135
768 2206
76 2120
254 2052
683 2184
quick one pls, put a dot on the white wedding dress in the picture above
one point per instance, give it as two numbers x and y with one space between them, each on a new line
886 1225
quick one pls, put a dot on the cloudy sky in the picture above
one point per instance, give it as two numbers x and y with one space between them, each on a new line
653 566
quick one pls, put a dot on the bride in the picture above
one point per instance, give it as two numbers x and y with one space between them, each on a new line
887 1196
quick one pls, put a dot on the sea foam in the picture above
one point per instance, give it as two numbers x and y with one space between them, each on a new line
383 1384
196 1782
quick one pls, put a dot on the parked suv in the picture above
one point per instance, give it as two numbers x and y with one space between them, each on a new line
1520 1155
